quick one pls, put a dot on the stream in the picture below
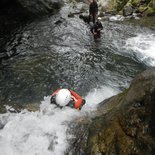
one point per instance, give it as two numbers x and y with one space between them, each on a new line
60 52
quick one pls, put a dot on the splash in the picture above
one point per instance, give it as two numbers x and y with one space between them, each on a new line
116 18
97 95
40 132
143 45
44 131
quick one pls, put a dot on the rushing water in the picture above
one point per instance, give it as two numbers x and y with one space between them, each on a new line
58 52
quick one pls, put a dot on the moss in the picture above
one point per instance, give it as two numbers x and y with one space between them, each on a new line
142 9
123 93
150 11
135 3
148 1
121 4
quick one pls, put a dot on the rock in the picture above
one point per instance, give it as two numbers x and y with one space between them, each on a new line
128 10
16 108
128 7
150 11
85 18
41 7
122 125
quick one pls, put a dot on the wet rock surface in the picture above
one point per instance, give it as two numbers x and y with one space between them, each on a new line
128 8
41 7
15 14
123 124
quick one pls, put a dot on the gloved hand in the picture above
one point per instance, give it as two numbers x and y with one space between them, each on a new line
52 100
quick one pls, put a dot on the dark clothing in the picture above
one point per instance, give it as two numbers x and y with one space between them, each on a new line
71 104
93 7
96 29
93 10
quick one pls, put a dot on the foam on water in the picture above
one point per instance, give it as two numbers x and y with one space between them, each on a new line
143 45
44 131
116 18
96 96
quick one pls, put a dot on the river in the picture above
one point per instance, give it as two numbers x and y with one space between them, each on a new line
59 51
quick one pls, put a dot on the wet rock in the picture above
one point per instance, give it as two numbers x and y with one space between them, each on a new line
123 124
16 108
128 11
128 7
1 126
15 14
12 16
61 20
85 18
41 7
150 11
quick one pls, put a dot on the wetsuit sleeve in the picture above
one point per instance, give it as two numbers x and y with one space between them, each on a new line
100 26
55 92
78 99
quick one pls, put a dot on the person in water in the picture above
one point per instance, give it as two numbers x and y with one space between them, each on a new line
93 10
65 97
96 28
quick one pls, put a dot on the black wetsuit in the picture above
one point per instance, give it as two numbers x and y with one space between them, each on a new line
96 29
93 10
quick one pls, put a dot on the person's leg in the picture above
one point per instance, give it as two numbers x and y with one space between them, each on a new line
89 18
95 36
94 18
91 30
99 34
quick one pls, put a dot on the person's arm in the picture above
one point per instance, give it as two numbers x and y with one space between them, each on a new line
55 92
52 100
95 29
77 98
100 27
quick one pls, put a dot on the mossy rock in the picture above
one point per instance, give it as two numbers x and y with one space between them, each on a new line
142 9
150 11
148 1
135 3
121 4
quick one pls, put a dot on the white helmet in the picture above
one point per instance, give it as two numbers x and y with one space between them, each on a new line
99 18
63 97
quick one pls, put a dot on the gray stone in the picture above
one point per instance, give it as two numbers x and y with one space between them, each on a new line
41 6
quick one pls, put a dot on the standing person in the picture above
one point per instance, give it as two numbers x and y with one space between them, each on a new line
96 29
93 10
65 97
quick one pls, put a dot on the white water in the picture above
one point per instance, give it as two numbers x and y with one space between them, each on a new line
44 132
116 18
143 46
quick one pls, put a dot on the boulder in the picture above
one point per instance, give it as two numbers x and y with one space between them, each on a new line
128 10
41 7
128 7
122 125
